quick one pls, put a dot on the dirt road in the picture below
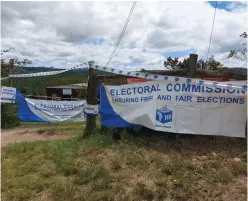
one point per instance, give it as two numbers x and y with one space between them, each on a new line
26 134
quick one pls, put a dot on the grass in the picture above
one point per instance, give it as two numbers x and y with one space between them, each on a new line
68 128
134 168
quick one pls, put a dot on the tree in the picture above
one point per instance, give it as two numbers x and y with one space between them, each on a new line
212 64
201 64
240 54
5 66
171 63
184 63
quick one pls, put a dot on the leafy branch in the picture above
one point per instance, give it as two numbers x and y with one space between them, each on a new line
242 54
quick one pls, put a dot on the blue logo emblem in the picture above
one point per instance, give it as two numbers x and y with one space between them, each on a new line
163 115
120 71
244 87
137 74
97 66
188 80
201 82
112 70
129 73
165 78
177 79
104 68
155 76
215 84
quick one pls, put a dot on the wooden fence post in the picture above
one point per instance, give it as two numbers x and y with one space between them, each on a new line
91 99
11 65
191 68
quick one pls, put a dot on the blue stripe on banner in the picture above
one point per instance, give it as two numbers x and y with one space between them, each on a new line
24 113
108 116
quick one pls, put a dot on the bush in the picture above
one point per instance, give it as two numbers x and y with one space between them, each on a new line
9 115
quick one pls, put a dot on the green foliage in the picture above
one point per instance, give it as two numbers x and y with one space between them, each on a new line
14 62
9 117
240 54
171 63
211 64
37 85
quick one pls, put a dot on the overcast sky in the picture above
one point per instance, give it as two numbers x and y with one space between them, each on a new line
64 34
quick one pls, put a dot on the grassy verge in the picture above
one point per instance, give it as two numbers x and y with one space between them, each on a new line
135 168
73 128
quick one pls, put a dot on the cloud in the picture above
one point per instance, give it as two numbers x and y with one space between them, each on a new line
63 34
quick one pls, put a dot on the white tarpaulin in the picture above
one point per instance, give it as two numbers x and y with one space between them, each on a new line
8 94
91 109
50 111
175 106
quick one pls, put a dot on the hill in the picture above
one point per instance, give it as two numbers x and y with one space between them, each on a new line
79 71
37 85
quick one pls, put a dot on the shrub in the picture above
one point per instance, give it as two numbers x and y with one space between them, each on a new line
9 115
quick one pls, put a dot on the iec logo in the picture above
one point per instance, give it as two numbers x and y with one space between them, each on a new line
163 115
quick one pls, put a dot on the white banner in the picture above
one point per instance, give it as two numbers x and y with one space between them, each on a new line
47 73
8 94
176 107
53 111
91 109
242 85
37 74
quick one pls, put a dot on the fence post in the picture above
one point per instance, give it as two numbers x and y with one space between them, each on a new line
91 99
11 65
191 68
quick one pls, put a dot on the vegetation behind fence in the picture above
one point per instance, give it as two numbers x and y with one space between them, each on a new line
9 115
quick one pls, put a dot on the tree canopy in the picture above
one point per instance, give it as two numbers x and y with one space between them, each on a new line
240 54
174 63
16 62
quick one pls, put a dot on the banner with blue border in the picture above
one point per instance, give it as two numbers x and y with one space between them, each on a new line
176 106
34 110
237 85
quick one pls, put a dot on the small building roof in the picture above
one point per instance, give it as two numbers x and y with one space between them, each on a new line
80 84
69 86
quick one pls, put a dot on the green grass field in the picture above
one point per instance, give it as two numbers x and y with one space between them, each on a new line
134 168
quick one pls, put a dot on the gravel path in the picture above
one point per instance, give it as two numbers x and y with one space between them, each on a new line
26 134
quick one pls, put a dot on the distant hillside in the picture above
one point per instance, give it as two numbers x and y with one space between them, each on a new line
39 69
22 70
83 72
238 71
37 85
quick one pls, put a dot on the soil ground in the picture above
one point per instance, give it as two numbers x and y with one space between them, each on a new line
27 134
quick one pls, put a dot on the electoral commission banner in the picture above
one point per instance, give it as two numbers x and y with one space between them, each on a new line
176 107
34 110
